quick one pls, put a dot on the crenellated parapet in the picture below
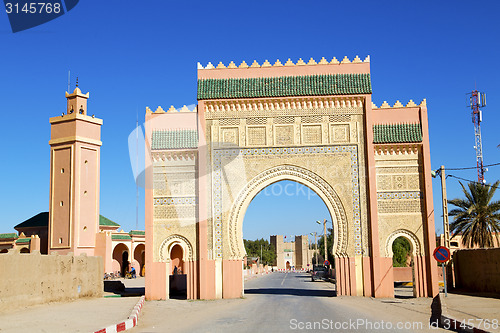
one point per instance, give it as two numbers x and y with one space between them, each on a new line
172 109
398 104
288 63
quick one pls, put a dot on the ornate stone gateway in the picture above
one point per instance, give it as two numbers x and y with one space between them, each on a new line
311 123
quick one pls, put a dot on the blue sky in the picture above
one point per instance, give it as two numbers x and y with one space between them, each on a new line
133 54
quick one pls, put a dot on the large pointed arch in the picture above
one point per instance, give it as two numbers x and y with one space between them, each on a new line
299 175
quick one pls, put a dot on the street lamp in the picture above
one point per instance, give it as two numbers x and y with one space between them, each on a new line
316 244
324 236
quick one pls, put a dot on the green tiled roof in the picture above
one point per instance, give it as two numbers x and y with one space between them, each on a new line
23 240
120 237
39 220
174 139
8 236
137 232
396 133
42 220
107 222
307 85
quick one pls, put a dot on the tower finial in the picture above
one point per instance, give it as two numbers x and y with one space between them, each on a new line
77 81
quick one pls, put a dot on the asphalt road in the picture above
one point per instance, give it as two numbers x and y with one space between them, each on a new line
279 302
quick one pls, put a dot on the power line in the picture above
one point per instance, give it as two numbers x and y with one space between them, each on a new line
474 167
471 181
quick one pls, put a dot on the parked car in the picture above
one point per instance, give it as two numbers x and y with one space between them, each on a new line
319 273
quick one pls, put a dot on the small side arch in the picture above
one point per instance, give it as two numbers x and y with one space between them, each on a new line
167 245
410 236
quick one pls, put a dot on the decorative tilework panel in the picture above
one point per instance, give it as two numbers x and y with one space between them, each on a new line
168 212
400 195
311 134
399 206
256 121
229 121
174 201
311 119
229 135
217 182
340 118
284 135
339 133
284 120
256 136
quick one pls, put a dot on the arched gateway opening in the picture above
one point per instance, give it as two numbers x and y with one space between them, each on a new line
279 228
294 175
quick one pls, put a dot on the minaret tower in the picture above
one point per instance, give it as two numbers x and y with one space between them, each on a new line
75 143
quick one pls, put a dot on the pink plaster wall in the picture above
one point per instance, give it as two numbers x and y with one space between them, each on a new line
156 276
396 115
429 268
68 127
385 288
206 268
74 181
59 216
232 281
34 244
367 277
402 274
375 269
217 73
104 249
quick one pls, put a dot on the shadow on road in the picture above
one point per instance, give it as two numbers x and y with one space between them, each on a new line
117 287
293 292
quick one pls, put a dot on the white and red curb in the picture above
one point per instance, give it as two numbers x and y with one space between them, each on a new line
130 322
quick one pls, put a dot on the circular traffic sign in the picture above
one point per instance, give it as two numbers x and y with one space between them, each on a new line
441 254
326 263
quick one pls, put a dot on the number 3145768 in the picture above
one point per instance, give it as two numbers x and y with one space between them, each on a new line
33 8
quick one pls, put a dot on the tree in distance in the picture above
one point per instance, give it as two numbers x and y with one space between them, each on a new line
476 217
253 250
401 250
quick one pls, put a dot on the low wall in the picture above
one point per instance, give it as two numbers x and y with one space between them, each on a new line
29 279
403 274
477 269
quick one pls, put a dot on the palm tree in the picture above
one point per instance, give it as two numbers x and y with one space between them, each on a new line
476 217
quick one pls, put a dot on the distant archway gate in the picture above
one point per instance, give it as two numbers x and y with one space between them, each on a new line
311 123
299 175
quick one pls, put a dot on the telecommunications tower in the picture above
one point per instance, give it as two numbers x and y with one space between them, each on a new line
478 100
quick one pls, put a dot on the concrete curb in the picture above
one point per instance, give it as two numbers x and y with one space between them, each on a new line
130 322
452 324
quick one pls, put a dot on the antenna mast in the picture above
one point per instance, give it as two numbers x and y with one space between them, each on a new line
477 100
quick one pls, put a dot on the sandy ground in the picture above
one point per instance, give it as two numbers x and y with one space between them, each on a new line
84 315
271 302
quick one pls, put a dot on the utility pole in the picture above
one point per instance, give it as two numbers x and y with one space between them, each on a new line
261 253
324 238
446 224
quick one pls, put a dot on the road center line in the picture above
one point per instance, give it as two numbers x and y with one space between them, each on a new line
284 278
